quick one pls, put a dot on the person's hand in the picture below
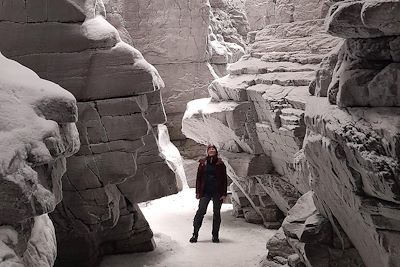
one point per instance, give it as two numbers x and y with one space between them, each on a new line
197 196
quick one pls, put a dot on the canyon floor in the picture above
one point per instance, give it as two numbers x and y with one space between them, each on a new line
242 244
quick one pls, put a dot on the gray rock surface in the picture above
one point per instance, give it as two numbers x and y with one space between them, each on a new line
366 74
364 19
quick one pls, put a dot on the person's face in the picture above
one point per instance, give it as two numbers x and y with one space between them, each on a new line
212 152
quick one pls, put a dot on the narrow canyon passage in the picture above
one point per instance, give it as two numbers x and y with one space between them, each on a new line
170 218
112 111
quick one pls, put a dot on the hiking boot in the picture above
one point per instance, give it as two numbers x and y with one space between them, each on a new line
215 239
193 239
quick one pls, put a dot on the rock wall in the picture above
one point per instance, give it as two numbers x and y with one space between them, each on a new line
339 149
352 145
264 12
181 39
38 132
257 114
119 103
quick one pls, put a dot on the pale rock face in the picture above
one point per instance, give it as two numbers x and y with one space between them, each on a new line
120 108
256 114
260 13
352 147
180 38
216 122
38 132
367 73
360 148
273 80
265 12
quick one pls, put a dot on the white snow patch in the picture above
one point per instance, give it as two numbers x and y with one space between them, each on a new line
195 106
98 29
171 154
242 244
20 127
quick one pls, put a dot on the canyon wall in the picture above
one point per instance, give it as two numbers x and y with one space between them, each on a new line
308 114
189 42
352 142
264 12
120 161
256 116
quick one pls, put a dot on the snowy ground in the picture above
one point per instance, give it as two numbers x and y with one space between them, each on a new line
242 244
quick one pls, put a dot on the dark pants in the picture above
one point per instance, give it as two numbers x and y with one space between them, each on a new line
198 218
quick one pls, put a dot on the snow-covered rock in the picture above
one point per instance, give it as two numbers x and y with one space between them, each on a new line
352 147
38 132
354 162
275 80
121 161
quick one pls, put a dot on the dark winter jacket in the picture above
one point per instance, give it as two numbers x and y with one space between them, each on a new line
220 173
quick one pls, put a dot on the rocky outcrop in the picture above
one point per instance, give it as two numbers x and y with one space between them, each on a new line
368 69
119 163
38 132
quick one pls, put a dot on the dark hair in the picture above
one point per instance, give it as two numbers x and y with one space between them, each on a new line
212 146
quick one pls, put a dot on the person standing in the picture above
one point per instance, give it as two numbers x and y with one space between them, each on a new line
211 184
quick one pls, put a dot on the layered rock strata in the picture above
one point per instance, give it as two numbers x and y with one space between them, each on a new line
352 147
261 13
38 132
182 39
256 115
119 163
190 43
